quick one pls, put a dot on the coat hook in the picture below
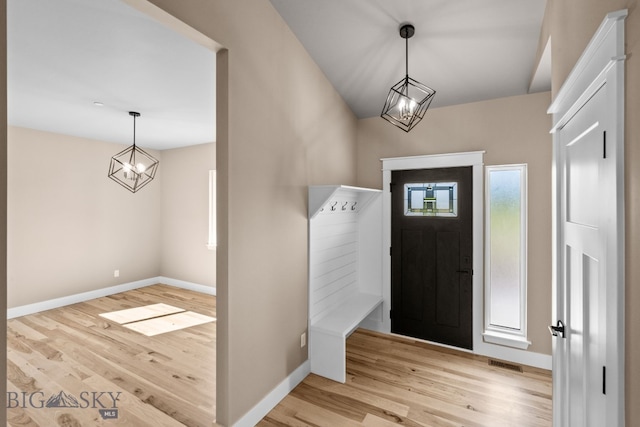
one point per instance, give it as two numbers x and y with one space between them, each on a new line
333 206
353 207
344 207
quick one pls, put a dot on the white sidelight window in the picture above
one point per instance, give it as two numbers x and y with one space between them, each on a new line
506 256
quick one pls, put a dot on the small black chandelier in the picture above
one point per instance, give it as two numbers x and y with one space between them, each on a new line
133 168
408 99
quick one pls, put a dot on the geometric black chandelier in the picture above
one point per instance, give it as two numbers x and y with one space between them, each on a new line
408 99
133 168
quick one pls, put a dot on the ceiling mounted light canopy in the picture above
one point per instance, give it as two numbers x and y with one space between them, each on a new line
408 99
133 168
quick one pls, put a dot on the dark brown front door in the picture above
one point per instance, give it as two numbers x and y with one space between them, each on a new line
431 256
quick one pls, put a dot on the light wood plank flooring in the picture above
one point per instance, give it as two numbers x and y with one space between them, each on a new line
393 380
165 380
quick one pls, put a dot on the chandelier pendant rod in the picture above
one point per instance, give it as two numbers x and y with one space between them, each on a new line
406 63
406 32
132 158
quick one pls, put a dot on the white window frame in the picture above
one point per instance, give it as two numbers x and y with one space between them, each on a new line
493 333
212 240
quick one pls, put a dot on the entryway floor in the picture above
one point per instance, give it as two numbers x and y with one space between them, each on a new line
398 381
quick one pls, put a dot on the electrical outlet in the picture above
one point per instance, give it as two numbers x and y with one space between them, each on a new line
303 340
116 273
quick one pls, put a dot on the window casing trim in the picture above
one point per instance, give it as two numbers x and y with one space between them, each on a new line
497 334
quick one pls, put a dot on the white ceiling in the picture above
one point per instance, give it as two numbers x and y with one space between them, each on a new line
467 50
65 54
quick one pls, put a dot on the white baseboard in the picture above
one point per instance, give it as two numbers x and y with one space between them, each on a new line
508 354
203 289
270 401
37 307
514 355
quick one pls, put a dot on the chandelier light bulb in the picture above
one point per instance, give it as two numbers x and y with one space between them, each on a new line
126 169
406 107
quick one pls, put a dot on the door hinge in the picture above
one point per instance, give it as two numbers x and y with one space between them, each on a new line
389 250
604 144
390 314
604 380
391 187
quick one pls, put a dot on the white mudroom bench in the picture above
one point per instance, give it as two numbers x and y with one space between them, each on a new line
345 273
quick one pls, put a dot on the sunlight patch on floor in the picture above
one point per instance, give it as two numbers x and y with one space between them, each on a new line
156 319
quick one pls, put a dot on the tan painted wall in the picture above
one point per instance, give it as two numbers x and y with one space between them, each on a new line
3 197
510 130
185 214
69 225
78 226
285 127
572 24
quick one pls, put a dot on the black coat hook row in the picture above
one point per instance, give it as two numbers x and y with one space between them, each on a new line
334 206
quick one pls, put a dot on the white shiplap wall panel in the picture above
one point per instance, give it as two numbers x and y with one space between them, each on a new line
334 300
328 254
320 293
338 265
333 267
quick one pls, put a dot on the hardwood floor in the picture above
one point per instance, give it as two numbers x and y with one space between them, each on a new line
164 380
393 380
169 379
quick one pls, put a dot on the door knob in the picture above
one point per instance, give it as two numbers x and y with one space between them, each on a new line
557 330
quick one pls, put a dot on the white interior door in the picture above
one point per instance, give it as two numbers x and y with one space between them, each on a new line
582 351
588 298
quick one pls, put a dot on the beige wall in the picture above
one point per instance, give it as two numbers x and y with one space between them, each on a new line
284 127
185 214
69 226
571 24
77 226
510 130
3 196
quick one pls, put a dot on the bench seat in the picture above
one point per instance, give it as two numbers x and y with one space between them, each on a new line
327 335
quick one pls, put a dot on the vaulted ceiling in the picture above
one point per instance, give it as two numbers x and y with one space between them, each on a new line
467 50
64 56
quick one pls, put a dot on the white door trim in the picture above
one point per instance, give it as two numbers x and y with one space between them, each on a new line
474 159
602 63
